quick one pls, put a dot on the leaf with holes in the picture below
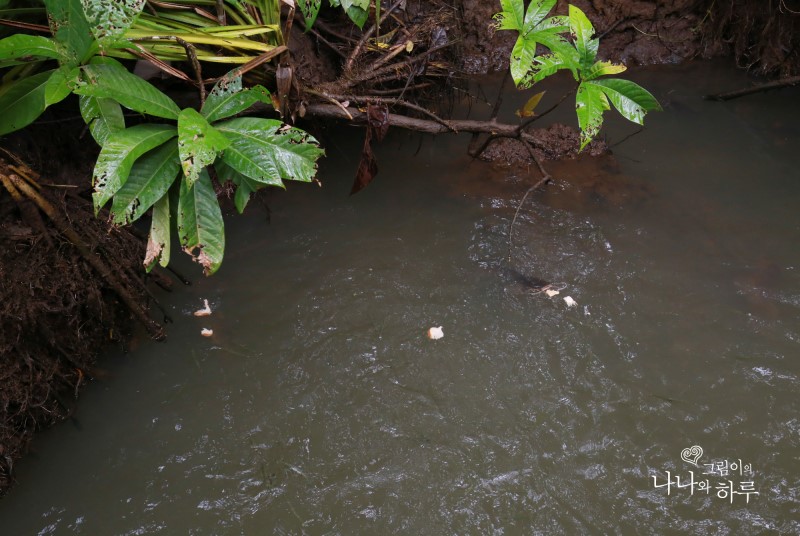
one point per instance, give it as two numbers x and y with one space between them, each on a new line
198 144
267 151
200 226
590 104
533 28
309 9
103 115
583 31
244 186
221 105
118 154
158 242
115 82
603 68
512 16
148 181
70 28
110 20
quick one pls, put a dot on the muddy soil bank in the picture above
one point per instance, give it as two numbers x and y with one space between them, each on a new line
56 312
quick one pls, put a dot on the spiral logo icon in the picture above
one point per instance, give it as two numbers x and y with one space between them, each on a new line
692 454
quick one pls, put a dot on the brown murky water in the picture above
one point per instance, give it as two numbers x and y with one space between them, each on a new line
320 407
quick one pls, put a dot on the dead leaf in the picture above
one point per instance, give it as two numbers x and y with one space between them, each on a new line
377 126
528 109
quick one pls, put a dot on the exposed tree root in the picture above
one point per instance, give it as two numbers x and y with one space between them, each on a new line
65 277
20 188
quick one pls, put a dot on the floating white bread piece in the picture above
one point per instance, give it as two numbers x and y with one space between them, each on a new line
435 333
569 301
205 332
550 292
205 311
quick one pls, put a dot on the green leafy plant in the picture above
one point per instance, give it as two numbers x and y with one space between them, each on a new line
357 10
80 29
594 94
165 166
85 30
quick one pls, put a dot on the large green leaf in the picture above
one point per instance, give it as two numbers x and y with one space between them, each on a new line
28 46
543 67
56 88
603 68
103 115
23 101
309 9
148 181
198 143
267 151
583 31
114 82
70 28
158 243
223 105
590 103
118 154
534 29
522 56
200 226
357 10
564 55
537 11
632 100
512 16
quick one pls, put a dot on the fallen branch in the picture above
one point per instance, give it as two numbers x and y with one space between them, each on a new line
502 130
777 84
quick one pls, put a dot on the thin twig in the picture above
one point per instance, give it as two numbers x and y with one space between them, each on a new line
143 53
330 45
191 53
364 76
388 101
626 138
544 180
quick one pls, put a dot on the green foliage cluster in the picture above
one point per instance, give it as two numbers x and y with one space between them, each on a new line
163 166
578 54
357 10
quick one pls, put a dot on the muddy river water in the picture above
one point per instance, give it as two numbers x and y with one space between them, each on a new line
664 402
